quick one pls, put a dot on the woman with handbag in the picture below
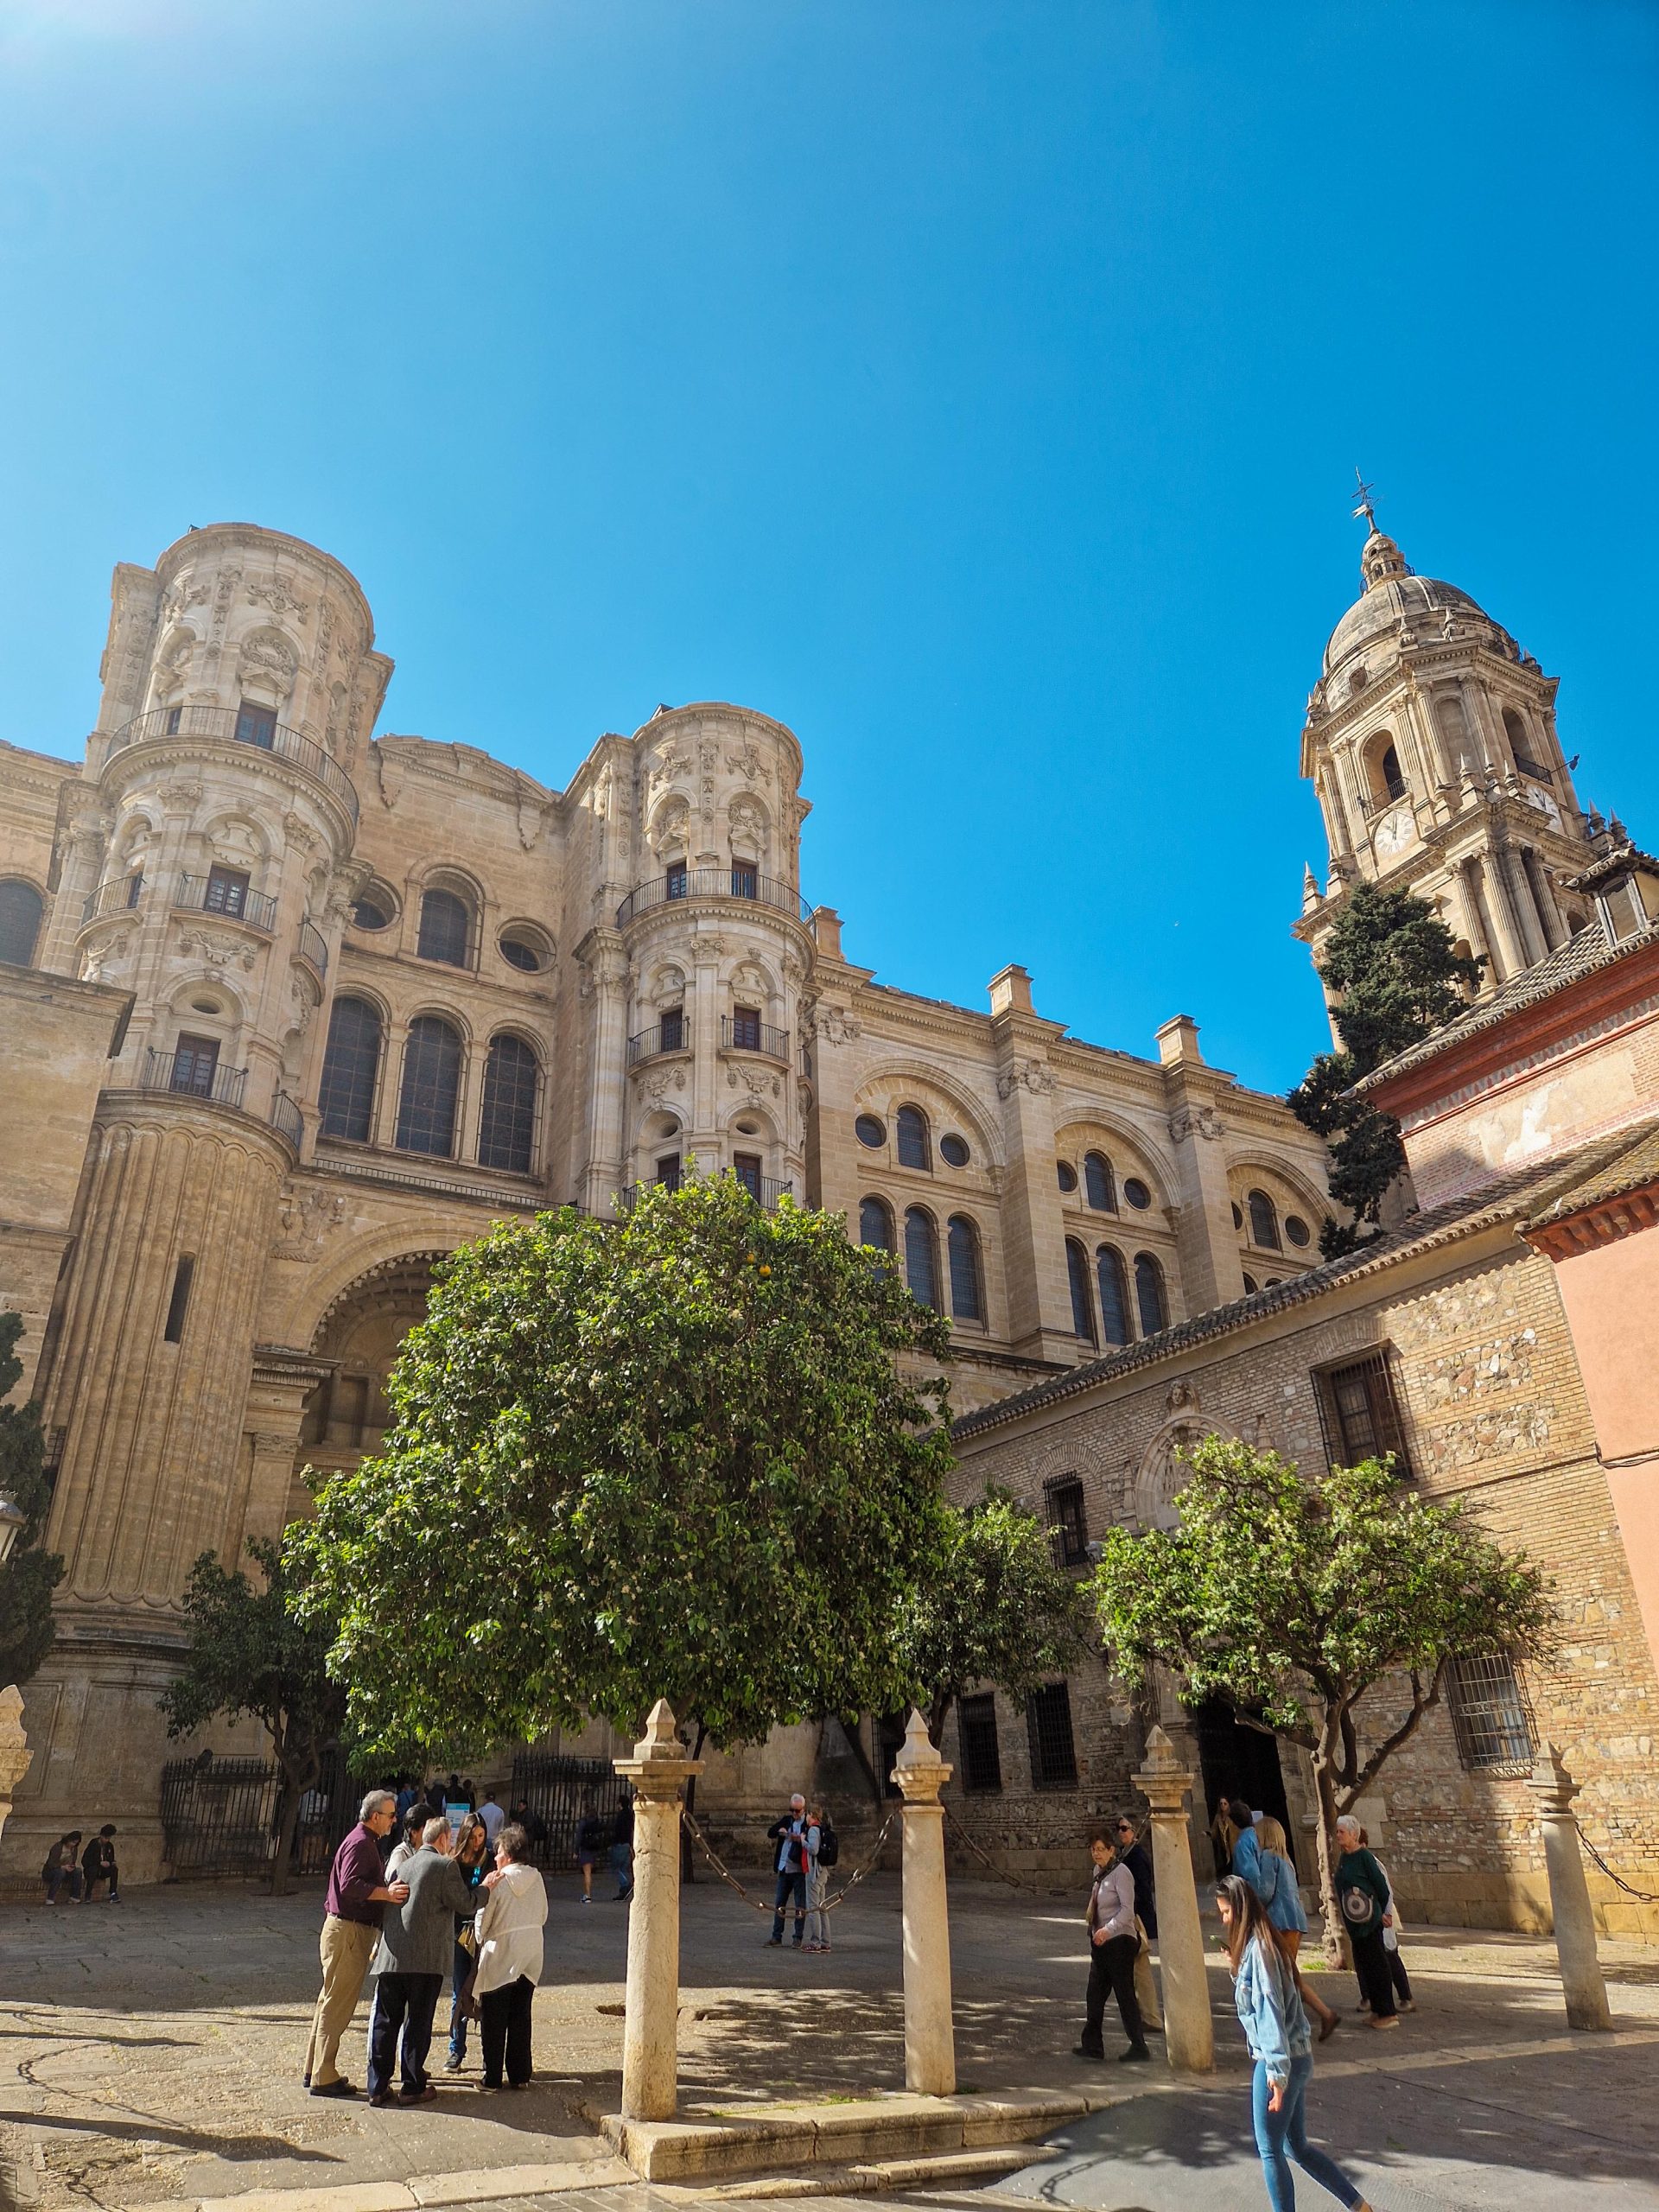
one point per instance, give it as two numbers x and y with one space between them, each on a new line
473 1860
1362 1894
1274 1882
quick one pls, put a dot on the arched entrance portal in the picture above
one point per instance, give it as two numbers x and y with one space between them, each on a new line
345 1417
1239 1762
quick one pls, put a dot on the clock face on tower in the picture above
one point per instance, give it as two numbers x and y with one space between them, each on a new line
1397 829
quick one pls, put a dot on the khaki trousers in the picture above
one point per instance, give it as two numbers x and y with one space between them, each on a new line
347 1947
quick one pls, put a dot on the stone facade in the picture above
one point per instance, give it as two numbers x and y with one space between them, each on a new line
303 1009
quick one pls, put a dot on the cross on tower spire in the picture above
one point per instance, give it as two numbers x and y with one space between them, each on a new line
1363 492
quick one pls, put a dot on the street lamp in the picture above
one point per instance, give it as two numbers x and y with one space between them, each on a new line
12 1518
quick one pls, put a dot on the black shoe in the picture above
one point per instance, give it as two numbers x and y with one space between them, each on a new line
1094 2051
305 2081
1136 2055
341 2088
773 1943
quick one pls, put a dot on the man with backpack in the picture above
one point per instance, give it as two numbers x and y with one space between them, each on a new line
822 1850
788 1832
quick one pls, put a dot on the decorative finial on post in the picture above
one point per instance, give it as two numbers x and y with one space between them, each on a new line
1189 2038
658 1770
1363 507
1583 1989
930 2033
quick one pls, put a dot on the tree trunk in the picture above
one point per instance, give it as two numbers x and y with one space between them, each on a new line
937 1713
853 1733
299 1769
1329 1914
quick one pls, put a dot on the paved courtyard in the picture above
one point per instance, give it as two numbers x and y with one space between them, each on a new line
155 2049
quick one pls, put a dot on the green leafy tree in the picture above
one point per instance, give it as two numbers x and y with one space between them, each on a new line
677 1455
30 1575
250 1655
1293 1597
1391 961
993 1607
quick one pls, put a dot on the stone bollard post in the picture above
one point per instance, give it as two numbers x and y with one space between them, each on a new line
14 1748
658 1770
929 2034
1569 1894
1189 2037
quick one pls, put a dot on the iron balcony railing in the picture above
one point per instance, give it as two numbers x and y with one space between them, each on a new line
242 728
769 1190
314 947
287 1119
661 1037
201 895
737 1035
120 894
736 882
193 1076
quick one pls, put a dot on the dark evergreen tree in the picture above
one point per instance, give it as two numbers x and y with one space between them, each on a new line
30 1575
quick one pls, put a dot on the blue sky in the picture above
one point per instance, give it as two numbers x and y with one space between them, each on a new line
975 388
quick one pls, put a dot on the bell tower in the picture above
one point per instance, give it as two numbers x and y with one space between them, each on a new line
1431 743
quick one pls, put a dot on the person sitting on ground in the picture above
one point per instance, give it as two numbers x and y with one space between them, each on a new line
98 1865
1113 1948
358 1893
1135 1855
509 1931
62 1867
1362 1894
788 1833
416 1941
473 1860
1274 1882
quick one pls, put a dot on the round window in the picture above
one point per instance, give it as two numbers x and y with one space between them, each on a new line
1068 1174
522 952
1137 1193
371 913
953 1151
1296 1228
870 1131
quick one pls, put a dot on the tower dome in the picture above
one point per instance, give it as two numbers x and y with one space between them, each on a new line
1405 609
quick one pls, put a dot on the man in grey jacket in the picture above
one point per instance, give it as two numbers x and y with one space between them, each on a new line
416 1940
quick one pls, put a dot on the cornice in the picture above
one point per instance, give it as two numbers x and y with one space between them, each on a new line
1608 1223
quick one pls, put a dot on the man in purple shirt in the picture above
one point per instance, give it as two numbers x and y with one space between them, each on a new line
358 1893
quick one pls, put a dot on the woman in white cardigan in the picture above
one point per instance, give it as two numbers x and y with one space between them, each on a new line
510 1923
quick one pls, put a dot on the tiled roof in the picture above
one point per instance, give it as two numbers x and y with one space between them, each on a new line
1632 1164
1507 1198
1581 956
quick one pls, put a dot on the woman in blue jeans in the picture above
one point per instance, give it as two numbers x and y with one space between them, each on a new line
1281 2044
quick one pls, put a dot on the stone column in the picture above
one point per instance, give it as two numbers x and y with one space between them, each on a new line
1189 2037
658 1770
929 2034
14 1749
1569 1894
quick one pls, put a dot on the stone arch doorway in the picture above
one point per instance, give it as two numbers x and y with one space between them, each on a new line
1237 1761
345 1416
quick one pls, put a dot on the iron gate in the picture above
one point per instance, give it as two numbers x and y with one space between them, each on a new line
559 1791
217 1814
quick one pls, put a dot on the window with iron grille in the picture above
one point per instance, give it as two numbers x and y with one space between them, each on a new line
1490 1718
922 1257
1361 1413
446 929
431 1089
911 1123
350 1067
746 879
1098 1187
671 1033
1048 1725
982 1762
967 1293
1083 1306
1067 1518
506 1123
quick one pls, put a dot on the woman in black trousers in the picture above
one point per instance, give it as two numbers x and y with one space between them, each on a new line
509 1960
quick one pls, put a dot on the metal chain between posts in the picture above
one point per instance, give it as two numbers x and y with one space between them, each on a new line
757 1904
1641 1896
1001 1874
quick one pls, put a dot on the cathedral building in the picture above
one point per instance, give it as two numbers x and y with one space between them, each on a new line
292 1010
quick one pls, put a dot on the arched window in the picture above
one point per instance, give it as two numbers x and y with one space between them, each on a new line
1114 1280
351 1066
922 1257
1149 1295
1083 1306
431 1087
506 1121
1264 1221
446 929
875 1224
1101 1190
1392 782
911 1125
21 908
967 1294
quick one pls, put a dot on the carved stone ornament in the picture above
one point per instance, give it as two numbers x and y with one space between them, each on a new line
1202 1120
217 949
303 1220
1029 1075
1180 1393
1358 678
181 798
748 764
835 1027
268 653
278 597
107 952
667 764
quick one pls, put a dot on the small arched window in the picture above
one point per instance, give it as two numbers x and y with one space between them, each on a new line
431 1092
21 908
506 1121
875 1224
911 1123
1149 1295
1097 1183
351 1067
967 1292
1114 1280
922 1257
446 929
1264 1222
1392 782
1083 1306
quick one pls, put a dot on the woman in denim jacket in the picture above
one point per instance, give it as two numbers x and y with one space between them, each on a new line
1274 1882
1281 2044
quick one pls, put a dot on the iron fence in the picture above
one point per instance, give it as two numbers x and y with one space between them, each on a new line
217 1814
559 1790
